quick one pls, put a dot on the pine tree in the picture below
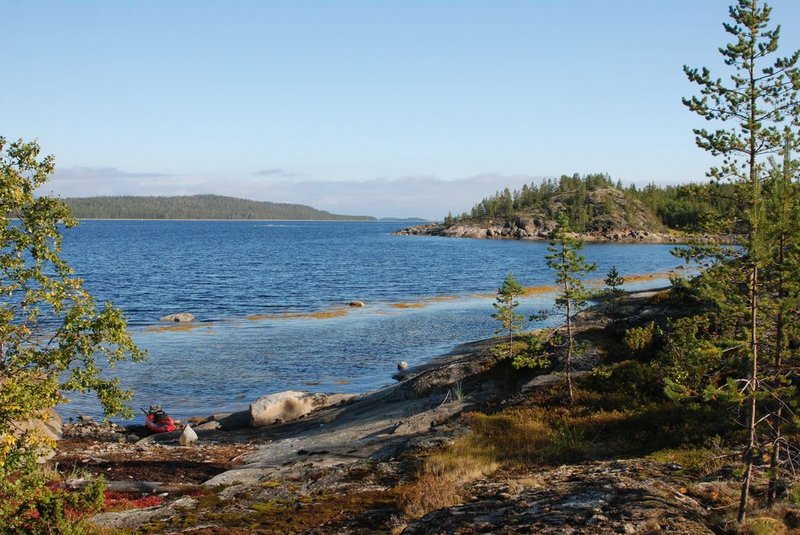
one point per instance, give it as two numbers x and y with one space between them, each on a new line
783 234
506 304
752 104
570 268
614 282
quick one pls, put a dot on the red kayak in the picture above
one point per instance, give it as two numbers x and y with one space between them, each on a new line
158 421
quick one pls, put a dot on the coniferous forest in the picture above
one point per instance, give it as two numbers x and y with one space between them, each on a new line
585 199
195 207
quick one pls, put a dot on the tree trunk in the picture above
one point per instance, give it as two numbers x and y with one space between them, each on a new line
775 455
774 460
511 329
753 388
754 252
569 351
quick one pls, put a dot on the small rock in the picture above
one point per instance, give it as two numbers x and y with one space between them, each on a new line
185 503
211 425
180 317
188 436
233 421
597 519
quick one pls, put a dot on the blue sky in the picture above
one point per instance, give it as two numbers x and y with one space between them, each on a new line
387 108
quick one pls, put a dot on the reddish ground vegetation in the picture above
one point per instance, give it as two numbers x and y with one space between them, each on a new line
120 501
124 462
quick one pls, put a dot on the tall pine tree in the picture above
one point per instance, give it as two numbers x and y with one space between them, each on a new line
570 268
751 106
783 286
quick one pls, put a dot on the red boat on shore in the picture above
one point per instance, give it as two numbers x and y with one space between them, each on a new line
158 421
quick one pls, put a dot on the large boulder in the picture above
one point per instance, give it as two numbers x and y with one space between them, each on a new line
52 426
289 405
180 317
49 427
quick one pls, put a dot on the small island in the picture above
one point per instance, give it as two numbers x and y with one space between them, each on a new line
598 209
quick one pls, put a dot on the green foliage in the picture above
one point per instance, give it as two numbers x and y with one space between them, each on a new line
195 207
635 384
696 460
691 357
638 340
756 109
538 351
592 202
505 310
47 509
53 337
570 268
614 282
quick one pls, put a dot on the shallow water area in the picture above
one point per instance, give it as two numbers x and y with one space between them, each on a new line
271 301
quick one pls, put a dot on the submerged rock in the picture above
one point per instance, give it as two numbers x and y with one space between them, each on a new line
180 317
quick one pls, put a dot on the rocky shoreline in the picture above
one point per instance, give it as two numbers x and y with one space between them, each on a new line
344 465
525 228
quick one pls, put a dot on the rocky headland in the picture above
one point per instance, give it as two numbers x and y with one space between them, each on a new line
602 214
528 228
459 445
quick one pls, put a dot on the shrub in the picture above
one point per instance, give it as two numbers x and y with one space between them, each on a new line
638 340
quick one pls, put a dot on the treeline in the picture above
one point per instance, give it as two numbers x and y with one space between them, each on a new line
195 207
584 198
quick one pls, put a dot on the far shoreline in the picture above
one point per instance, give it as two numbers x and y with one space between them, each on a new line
241 220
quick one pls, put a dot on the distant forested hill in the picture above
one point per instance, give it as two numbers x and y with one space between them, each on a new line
195 207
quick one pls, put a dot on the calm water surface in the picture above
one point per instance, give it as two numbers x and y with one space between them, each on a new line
271 301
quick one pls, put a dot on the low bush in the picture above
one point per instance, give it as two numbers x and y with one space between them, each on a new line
46 507
639 340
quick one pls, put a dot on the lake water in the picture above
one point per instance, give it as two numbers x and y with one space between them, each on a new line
271 301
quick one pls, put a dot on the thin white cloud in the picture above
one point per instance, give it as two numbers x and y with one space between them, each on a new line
423 196
102 173
412 196
276 172
93 181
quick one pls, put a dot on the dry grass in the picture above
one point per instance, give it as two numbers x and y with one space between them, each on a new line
516 437
614 414
701 461
765 525
443 479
